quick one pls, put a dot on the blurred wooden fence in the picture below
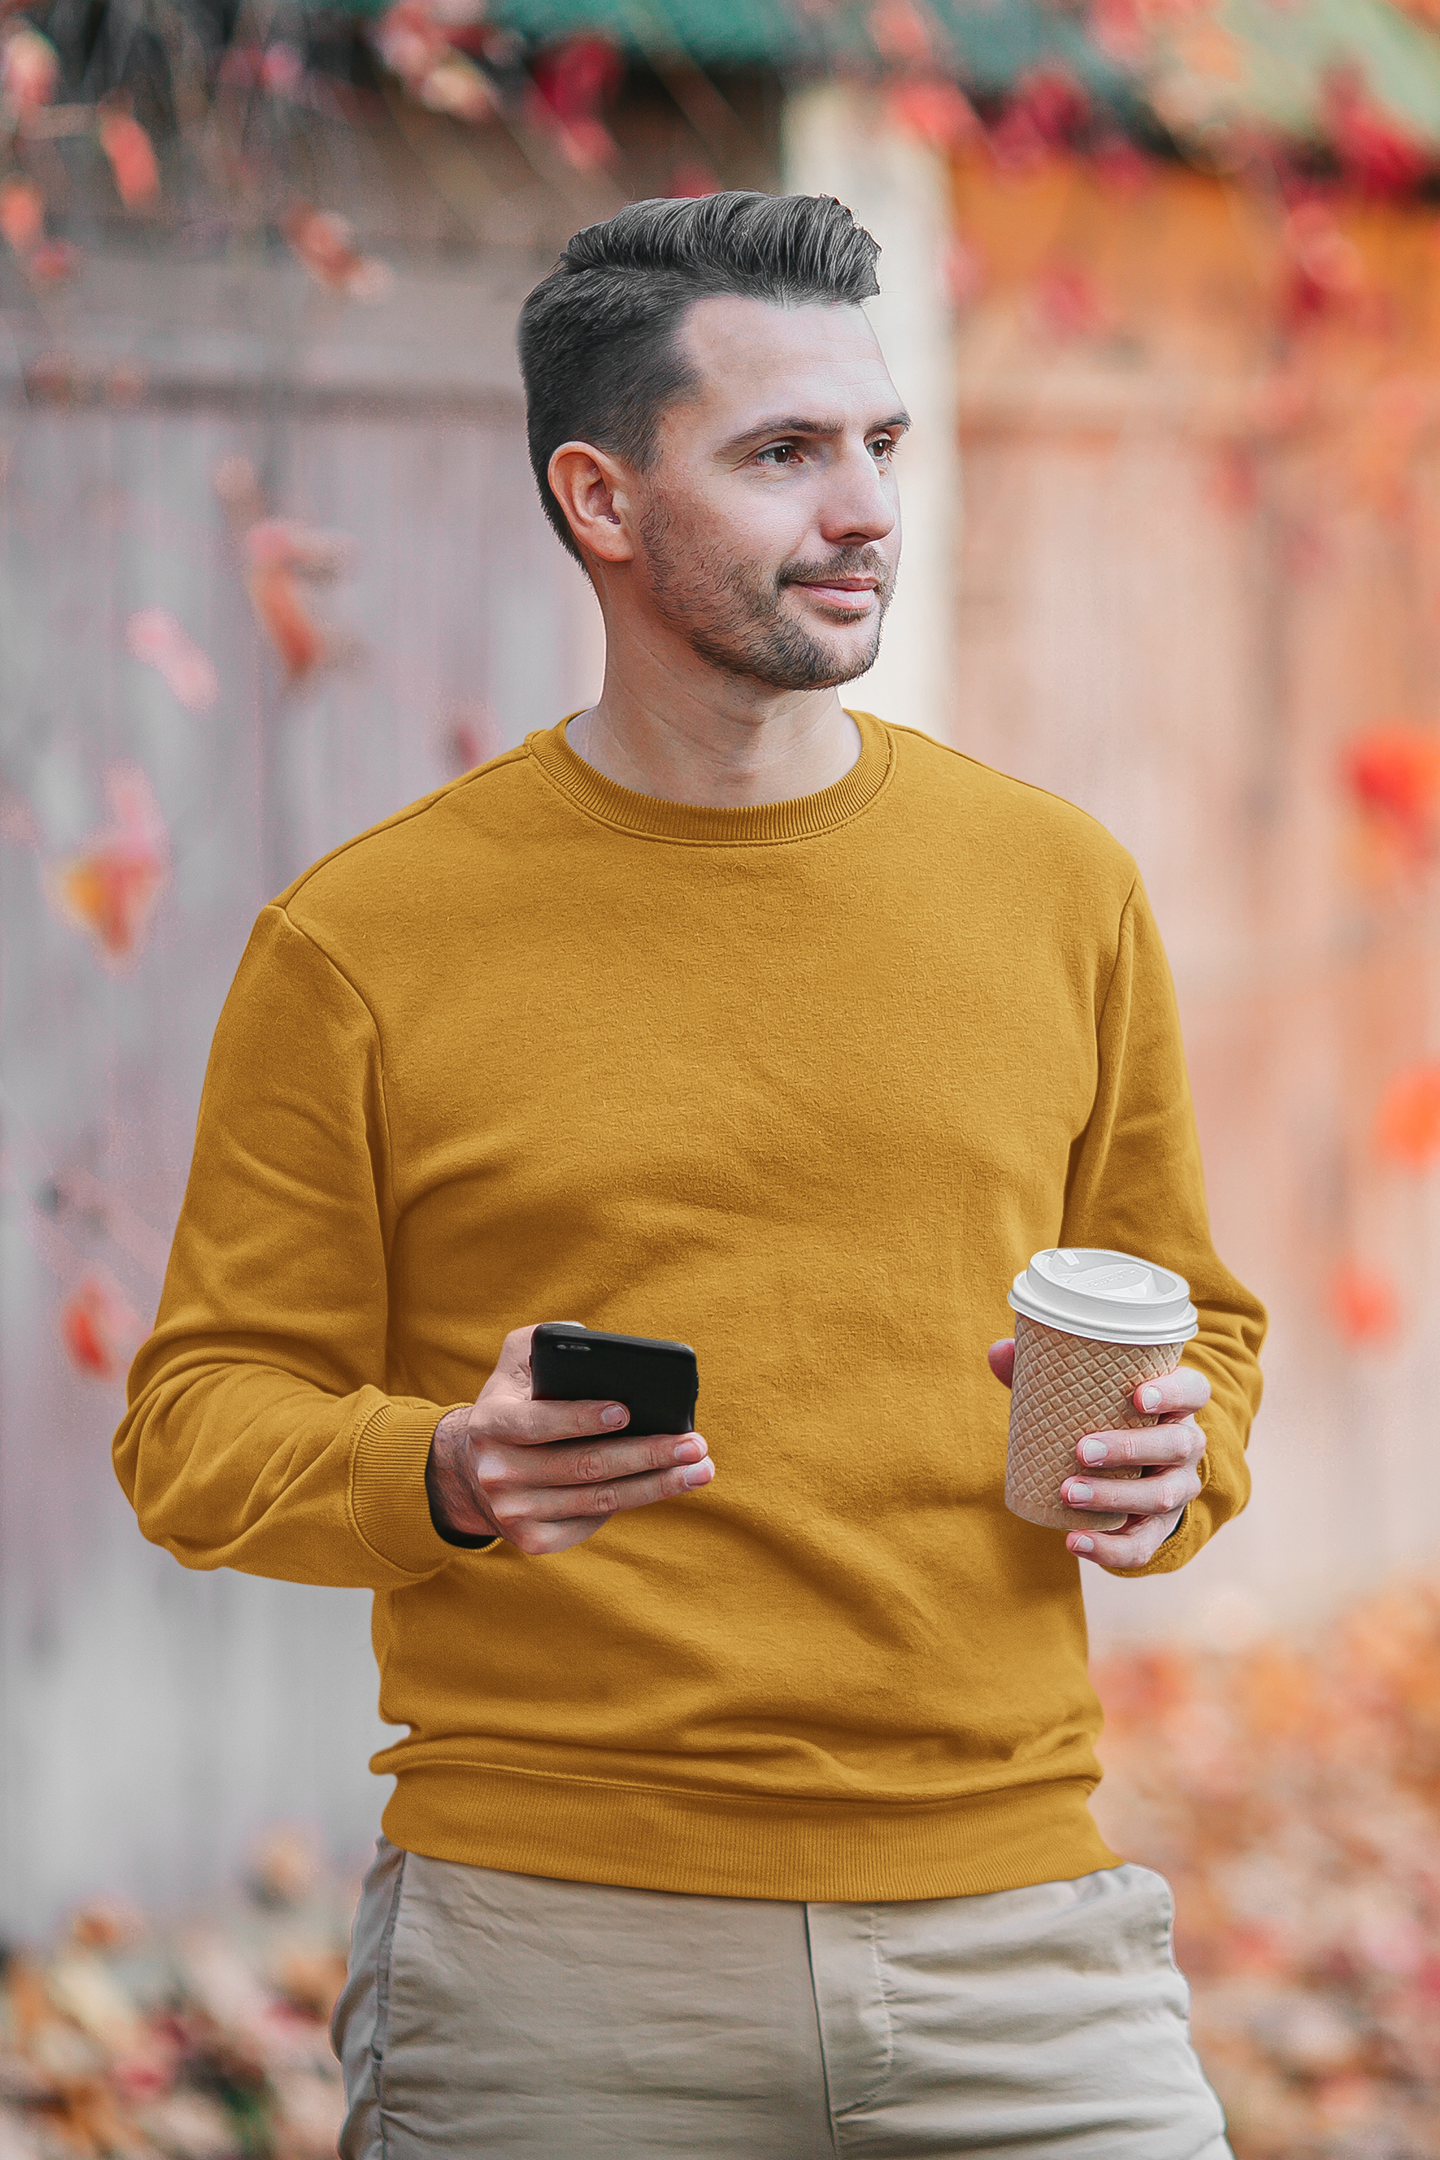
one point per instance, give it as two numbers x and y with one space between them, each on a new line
151 1720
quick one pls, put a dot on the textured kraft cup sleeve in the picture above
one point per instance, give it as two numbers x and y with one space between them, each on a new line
387 1488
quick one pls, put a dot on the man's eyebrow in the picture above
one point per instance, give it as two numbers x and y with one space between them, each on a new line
800 424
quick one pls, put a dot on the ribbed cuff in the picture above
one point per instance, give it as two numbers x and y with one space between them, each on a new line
387 1488
1185 1540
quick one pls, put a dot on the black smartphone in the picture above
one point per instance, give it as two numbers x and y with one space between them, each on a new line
658 1382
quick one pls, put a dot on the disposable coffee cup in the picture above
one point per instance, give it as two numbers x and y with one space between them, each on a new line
1090 1327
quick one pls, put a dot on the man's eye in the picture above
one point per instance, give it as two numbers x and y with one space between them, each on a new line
883 446
778 453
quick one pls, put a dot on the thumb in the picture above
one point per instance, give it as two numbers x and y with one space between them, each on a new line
1000 1357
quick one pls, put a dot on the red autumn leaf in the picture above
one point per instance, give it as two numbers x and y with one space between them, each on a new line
471 737
29 67
53 262
934 111
1123 165
1407 1124
1377 152
899 32
100 1329
324 243
22 213
1393 773
456 86
154 636
282 69
571 84
275 543
1364 1303
110 889
298 639
1324 273
1054 102
132 159
411 42
282 555
576 79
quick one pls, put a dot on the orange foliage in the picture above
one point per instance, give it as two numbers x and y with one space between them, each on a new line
29 67
281 556
132 159
154 636
1364 1303
899 32
1407 1125
418 47
572 84
99 1329
933 110
280 608
1394 774
53 262
324 243
1378 155
111 889
22 213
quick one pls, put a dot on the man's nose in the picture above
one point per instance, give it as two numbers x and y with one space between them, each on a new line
858 506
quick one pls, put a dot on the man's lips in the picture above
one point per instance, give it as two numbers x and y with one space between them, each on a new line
853 594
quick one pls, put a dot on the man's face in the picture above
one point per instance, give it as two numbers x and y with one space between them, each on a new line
769 528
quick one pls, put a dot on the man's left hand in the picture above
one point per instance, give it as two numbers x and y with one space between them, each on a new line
1167 1455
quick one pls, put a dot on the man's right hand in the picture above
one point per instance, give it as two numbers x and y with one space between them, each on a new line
545 1475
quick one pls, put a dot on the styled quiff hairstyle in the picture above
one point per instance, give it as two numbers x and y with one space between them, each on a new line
598 337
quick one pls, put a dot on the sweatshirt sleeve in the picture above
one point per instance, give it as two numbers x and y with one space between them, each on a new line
1135 1185
258 1434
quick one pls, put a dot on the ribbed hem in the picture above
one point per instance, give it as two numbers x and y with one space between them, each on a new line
804 817
387 1488
644 1838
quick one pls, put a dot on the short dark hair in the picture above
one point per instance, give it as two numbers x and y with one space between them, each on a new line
598 348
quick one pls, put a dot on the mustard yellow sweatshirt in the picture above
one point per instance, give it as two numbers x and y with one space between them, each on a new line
803 1085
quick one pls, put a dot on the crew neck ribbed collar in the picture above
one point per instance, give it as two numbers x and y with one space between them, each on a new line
804 817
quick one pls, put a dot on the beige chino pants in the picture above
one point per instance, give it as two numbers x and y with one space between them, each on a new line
497 2013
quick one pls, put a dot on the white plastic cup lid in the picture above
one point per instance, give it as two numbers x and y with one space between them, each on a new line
1109 1296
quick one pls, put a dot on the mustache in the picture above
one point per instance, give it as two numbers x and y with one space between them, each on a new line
847 562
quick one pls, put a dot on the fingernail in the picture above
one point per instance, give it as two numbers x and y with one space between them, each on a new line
690 1450
699 1473
614 1414
1077 1494
1083 1544
1150 1398
1093 1451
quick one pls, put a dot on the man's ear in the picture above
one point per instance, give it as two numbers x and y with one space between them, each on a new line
593 489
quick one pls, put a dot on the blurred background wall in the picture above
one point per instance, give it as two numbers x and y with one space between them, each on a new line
1160 288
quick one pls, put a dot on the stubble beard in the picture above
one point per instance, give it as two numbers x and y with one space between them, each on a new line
732 614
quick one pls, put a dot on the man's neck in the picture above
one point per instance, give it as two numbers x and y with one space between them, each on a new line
745 744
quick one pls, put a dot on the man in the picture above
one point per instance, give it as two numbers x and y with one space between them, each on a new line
754 1824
